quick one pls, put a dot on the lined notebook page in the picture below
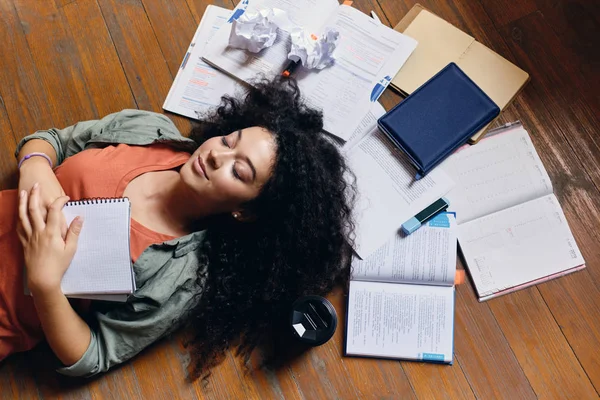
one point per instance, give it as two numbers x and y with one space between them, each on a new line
518 245
499 172
102 263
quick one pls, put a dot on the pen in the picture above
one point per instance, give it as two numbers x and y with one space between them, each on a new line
418 220
291 67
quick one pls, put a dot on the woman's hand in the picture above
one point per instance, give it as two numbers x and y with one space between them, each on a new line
37 169
47 254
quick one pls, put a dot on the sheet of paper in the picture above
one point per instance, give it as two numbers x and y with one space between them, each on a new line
499 172
198 87
388 194
366 125
367 56
400 321
309 14
428 256
518 245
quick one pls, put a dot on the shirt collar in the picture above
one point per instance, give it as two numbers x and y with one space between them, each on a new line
187 243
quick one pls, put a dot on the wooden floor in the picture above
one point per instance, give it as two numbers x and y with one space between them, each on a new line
62 61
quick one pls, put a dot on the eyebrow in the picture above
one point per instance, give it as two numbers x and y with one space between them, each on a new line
239 132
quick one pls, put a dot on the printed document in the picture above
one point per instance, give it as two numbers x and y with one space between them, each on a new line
198 87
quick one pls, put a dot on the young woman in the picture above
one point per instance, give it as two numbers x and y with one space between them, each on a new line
228 228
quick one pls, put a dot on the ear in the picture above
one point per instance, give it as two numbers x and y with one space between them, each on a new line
243 216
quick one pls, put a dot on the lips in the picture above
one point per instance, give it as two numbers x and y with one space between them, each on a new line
200 167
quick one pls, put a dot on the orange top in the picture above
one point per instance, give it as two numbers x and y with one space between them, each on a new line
90 174
99 173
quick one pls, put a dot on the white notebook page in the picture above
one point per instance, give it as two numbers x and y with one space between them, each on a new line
102 263
198 87
518 245
426 257
499 172
393 320
367 52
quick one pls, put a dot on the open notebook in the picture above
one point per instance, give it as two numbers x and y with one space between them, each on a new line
401 298
511 228
101 268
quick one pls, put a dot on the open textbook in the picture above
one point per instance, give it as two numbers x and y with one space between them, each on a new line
367 55
198 87
401 298
511 228
387 193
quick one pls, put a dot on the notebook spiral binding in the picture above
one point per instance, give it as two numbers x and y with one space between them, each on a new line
95 201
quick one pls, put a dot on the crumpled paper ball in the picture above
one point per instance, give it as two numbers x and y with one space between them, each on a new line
314 52
254 30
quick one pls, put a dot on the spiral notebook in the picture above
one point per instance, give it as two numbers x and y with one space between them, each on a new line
101 268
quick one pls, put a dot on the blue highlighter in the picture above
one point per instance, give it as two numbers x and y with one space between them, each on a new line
418 220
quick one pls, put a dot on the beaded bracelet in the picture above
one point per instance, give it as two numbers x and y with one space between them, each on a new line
28 156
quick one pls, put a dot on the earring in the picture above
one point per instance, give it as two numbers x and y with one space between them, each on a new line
236 215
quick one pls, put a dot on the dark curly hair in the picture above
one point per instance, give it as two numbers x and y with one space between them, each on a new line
298 243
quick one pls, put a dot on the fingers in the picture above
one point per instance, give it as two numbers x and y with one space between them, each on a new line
55 215
73 235
35 212
23 215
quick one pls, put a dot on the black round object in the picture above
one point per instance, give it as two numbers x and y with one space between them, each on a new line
313 320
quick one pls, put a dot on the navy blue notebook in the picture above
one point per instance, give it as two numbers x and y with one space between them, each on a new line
438 117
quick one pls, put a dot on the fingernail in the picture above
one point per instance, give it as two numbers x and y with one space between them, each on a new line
35 185
22 193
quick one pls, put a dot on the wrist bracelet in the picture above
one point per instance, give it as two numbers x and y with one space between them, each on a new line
28 156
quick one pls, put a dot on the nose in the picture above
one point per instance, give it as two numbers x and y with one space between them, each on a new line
216 157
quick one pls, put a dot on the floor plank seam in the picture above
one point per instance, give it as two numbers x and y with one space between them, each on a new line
156 38
118 55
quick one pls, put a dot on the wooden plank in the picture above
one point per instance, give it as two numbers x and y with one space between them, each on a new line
546 358
573 105
140 55
174 26
274 384
502 15
62 3
57 60
197 7
8 165
484 354
101 68
170 382
24 98
576 24
32 375
223 383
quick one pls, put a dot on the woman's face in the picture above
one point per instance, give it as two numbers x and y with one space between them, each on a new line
227 171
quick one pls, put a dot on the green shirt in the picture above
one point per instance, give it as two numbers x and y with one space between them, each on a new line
165 274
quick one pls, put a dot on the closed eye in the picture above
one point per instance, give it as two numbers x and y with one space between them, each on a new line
224 141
